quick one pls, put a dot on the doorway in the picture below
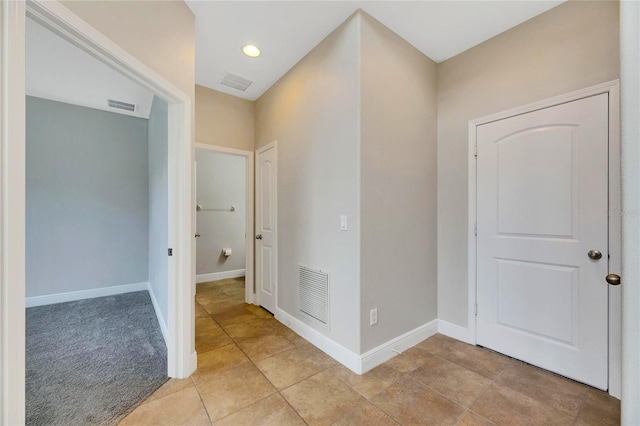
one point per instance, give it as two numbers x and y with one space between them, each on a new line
544 181
96 234
54 16
224 215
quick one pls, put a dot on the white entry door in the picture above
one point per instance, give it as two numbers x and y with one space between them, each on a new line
542 191
266 220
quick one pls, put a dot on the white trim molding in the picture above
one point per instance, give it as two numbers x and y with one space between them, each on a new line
156 308
457 332
70 296
615 236
630 105
359 364
12 211
249 219
223 275
393 347
344 356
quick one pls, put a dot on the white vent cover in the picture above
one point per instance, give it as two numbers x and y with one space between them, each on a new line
235 82
121 105
314 294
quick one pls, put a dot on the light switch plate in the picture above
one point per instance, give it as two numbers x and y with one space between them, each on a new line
343 223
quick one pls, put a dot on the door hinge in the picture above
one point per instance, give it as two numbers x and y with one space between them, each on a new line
170 252
475 229
475 150
476 306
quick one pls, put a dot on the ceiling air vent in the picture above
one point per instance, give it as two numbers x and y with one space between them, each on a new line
121 105
235 82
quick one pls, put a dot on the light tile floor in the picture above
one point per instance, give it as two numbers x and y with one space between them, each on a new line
253 370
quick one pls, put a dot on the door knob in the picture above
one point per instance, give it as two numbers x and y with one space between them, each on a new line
197 235
259 237
594 254
613 279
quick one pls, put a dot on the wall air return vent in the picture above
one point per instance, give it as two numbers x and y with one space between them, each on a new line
121 105
313 294
236 82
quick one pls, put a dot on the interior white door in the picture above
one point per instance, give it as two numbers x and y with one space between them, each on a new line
266 222
542 191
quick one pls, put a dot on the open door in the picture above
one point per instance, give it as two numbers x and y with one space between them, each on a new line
266 227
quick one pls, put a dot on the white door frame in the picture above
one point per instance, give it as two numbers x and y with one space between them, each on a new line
249 216
259 151
614 214
181 355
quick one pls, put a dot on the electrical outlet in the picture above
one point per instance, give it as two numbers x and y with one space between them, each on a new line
373 316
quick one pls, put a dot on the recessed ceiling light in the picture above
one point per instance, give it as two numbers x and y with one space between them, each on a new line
251 51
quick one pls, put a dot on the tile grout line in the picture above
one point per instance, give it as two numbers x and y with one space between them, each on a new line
493 382
582 404
272 384
512 360
233 342
406 375
512 363
382 409
367 400
465 408
402 376
292 407
277 391
206 410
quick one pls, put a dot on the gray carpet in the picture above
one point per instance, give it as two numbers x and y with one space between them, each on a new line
90 362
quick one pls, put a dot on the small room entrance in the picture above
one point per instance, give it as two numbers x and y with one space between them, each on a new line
224 219
97 225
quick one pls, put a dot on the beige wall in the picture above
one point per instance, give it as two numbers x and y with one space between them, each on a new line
158 33
572 46
224 120
398 185
313 114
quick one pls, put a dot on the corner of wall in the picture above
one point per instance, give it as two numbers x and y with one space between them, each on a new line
397 167
158 311
312 111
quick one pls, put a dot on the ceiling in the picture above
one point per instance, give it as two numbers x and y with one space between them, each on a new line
59 71
286 31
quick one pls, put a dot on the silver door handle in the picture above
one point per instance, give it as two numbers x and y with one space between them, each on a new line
613 279
259 237
594 254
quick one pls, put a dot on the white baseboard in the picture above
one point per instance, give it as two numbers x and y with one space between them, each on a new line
214 276
359 364
388 350
50 299
161 321
194 364
456 332
344 356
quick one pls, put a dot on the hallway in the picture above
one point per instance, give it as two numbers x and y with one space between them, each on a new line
254 370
